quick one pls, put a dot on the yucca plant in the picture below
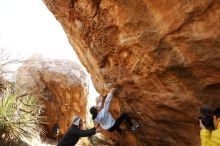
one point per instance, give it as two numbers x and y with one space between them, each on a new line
20 116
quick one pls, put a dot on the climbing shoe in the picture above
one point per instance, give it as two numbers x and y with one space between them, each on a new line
135 123
133 128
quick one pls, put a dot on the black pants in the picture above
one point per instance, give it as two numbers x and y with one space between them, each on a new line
118 122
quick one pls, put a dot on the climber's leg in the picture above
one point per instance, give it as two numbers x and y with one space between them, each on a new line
119 120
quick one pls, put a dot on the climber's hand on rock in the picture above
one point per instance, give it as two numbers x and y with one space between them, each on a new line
201 125
113 90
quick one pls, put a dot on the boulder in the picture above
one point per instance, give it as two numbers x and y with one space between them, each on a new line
61 86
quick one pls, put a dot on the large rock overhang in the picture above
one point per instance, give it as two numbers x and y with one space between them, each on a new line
164 55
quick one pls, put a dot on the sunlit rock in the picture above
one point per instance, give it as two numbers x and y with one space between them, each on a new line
165 54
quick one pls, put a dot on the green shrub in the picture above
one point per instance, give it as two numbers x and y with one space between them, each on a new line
20 116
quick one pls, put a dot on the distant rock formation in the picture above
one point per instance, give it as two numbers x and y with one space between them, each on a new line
165 54
61 85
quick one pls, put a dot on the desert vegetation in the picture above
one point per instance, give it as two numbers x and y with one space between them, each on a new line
20 113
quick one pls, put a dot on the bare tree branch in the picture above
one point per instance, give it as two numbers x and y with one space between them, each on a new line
6 60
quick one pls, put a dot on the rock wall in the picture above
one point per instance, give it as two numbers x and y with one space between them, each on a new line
165 54
62 87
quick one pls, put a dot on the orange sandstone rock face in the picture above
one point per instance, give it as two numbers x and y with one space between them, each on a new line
61 85
165 54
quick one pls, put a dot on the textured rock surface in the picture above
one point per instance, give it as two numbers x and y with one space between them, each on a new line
60 84
165 54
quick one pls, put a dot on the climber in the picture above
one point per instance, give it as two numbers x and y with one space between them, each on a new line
75 131
211 137
103 118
